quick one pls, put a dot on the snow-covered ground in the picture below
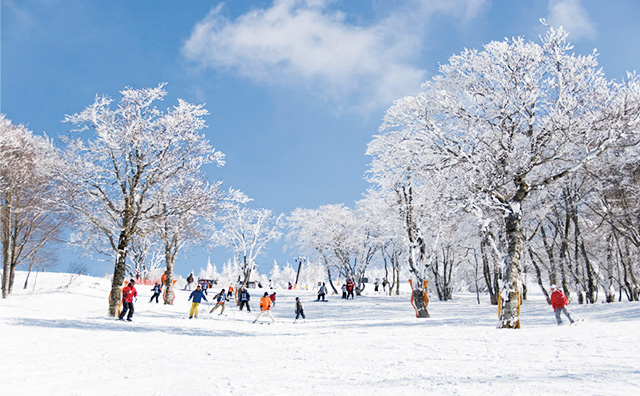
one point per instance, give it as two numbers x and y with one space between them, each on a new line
57 340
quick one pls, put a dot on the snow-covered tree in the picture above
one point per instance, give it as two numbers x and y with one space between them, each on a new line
135 149
503 123
183 205
31 213
247 231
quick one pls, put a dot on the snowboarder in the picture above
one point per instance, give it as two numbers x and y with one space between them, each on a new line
244 299
559 304
322 292
273 298
220 300
265 306
299 310
128 294
198 296
344 290
189 282
350 287
157 289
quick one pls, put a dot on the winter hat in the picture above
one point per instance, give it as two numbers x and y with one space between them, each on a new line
266 294
132 281
553 287
297 298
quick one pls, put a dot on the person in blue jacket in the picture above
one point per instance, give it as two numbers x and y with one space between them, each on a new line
197 296
221 298
244 299
157 290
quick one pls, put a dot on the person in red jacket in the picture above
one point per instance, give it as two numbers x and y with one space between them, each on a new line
129 292
273 298
559 304
350 287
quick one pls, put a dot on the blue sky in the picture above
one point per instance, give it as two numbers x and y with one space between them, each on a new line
295 89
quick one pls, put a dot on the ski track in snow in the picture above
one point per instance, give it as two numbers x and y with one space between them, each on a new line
57 340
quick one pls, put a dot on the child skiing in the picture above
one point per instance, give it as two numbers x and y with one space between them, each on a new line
220 299
157 289
273 298
265 306
559 304
197 295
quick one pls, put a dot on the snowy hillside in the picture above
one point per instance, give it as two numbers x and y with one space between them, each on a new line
57 340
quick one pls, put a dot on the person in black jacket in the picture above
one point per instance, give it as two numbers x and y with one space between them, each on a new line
299 310
244 299
157 289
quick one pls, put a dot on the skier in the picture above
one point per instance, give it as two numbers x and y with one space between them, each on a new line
220 299
230 292
299 310
128 294
376 284
272 297
322 292
559 304
290 286
350 287
265 306
189 282
244 299
344 290
157 289
197 295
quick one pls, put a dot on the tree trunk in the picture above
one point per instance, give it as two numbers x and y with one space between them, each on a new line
490 281
7 250
115 298
168 291
510 296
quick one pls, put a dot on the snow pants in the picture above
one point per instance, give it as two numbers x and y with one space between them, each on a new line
216 307
268 311
243 304
126 307
194 310
300 313
155 295
320 296
564 310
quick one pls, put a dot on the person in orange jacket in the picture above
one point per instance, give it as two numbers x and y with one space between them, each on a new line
230 292
559 304
265 306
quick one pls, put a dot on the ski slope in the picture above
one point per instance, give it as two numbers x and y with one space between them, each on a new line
57 340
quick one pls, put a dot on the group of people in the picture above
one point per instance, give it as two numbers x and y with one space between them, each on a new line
558 300
348 289
266 302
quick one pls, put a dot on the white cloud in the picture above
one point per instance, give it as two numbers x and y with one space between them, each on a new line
309 43
573 17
